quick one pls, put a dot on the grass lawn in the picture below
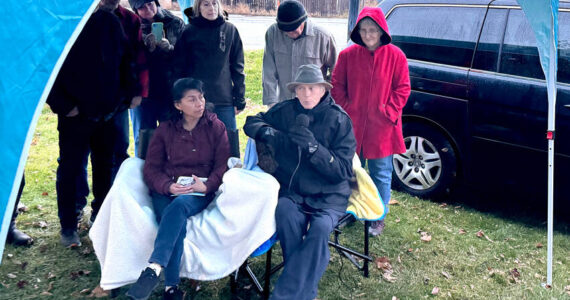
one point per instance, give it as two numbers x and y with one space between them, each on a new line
428 250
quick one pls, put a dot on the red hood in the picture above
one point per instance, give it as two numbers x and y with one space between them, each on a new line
376 14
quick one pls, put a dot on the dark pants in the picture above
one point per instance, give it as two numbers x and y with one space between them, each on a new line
172 214
122 140
20 190
305 248
148 114
78 138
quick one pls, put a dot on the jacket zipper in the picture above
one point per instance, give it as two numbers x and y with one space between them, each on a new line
296 168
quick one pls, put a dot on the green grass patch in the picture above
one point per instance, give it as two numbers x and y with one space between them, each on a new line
506 260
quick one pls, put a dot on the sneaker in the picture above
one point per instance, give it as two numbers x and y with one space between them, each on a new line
144 286
376 228
70 238
173 293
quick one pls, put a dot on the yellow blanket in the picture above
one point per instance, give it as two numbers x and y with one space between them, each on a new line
365 202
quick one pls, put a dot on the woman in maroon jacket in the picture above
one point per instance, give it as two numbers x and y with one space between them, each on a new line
372 83
194 145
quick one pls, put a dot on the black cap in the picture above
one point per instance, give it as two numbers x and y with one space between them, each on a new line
290 15
136 4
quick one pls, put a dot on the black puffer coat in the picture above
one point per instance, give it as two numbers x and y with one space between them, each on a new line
212 52
321 178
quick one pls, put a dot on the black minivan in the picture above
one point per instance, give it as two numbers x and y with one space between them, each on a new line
478 107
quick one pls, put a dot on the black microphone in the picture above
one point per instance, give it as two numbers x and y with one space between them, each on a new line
302 120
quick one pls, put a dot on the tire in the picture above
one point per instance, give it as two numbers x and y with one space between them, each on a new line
428 168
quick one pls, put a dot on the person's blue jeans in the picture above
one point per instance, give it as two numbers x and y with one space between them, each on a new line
305 248
227 115
381 172
172 214
147 115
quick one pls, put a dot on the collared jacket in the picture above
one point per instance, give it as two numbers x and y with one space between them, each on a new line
160 60
283 56
132 29
212 52
174 151
320 178
373 88
95 75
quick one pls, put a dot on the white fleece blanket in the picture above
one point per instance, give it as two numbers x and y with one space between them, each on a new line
218 240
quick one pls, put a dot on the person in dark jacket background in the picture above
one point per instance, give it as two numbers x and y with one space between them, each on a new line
210 49
91 88
157 106
194 145
313 145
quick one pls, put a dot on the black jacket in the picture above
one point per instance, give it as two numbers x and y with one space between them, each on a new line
321 178
212 52
160 61
97 73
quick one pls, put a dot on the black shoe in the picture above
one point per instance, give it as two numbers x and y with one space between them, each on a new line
173 293
18 238
70 238
144 286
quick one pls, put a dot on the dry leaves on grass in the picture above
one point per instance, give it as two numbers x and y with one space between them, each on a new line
481 234
462 231
98 292
435 291
383 264
514 275
567 289
40 224
445 274
424 236
393 202
539 245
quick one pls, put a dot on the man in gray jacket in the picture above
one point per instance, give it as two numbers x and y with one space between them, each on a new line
291 42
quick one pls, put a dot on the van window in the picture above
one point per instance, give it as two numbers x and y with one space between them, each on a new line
519 55
444 35
487 54
564 47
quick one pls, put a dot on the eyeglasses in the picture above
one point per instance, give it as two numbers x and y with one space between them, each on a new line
370 32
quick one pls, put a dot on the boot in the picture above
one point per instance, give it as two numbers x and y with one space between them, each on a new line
16 237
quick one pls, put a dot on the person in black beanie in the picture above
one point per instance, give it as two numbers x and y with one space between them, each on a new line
291 42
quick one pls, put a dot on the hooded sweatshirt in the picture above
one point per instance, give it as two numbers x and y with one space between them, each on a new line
373 87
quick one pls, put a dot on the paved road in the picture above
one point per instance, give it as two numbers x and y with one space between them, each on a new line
252 29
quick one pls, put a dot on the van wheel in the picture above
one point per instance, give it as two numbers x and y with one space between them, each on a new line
428 167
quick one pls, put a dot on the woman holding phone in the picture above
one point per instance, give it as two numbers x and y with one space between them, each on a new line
210 49
161 30
192 144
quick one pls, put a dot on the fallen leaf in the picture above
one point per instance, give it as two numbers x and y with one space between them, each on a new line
393 202
10 255
50 275
383 263
462 231
410 249
567 288
86 251
435 290
50 286
388 277
515 273
425 237
399 259
445 274
46 294
360 295
45 193
99 292
397 220
11 276
539 245
22 283
84 291
443 204
395 298
5 285
40 224
84 272
416 218
457 207
39 207
480 233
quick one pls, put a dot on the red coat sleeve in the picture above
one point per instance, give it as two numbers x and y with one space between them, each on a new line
399 90
339 91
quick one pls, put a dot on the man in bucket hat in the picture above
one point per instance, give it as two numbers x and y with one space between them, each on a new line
291 42
313 145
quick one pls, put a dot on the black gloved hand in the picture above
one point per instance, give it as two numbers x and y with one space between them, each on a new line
304 138
267 134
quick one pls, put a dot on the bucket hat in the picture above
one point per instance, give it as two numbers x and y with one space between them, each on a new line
308 74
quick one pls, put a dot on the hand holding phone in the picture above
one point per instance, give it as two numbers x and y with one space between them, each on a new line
157 30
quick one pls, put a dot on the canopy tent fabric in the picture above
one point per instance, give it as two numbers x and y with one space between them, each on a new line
35 43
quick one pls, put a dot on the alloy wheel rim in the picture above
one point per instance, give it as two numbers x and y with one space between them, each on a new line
420 166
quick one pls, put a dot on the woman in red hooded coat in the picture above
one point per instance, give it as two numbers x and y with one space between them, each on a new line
371 82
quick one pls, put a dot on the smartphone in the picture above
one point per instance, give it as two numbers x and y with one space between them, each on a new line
157 30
